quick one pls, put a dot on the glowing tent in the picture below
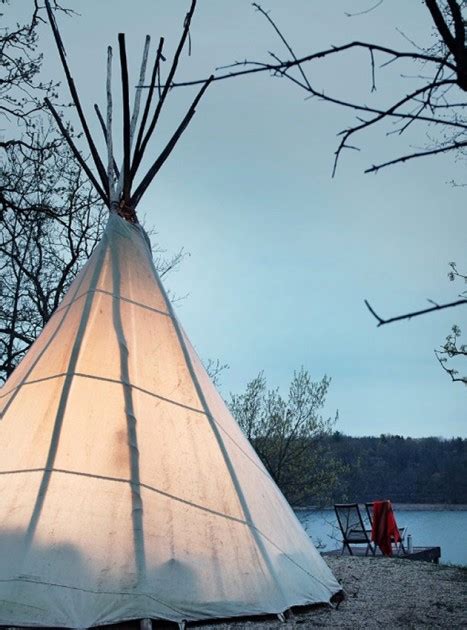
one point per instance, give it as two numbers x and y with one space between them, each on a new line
127 489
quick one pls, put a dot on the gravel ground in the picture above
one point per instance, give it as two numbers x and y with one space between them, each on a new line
383 593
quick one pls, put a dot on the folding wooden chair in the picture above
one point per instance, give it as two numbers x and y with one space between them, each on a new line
402 530
353 528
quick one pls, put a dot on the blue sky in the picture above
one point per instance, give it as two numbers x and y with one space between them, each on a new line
281 255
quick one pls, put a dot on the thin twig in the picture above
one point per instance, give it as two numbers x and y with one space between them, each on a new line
318 55
411 156
284 41
397 318
369 10
368 123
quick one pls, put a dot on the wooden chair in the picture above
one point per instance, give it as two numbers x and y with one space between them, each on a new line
402 530
353 528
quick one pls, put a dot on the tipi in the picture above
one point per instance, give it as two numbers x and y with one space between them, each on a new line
128 491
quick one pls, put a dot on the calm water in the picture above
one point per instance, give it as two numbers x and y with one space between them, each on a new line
429 528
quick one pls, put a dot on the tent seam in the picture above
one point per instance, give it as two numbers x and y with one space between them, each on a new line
117 297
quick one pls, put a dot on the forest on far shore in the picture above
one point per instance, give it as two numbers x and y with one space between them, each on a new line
404 470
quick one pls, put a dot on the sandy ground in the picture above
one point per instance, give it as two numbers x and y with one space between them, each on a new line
384 593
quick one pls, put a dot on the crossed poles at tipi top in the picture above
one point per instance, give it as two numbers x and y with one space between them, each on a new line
114 185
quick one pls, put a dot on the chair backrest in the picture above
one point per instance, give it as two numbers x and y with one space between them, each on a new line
369 511
349 517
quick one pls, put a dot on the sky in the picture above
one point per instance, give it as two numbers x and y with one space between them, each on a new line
282 255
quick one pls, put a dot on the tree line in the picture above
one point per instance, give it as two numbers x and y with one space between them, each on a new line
405 470
314 464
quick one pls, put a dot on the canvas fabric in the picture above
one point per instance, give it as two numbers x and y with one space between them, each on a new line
127 489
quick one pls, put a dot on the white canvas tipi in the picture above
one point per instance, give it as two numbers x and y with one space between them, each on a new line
127 489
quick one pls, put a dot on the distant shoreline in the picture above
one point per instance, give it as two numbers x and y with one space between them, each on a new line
421 507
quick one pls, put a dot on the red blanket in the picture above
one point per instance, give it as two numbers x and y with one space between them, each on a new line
384 529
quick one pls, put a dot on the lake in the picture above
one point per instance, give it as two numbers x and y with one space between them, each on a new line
429 528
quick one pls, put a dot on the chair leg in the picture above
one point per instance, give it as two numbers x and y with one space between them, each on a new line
399 547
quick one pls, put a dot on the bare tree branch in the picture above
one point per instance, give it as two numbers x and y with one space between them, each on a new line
397 318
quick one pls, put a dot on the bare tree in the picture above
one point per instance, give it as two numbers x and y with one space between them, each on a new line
51 217
432 98
51 221
435 100
22 91
214 368
289 434
436 94
435 97
452 350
